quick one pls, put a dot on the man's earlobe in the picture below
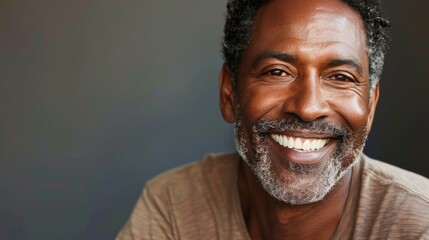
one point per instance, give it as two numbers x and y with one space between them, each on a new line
372 105
226 102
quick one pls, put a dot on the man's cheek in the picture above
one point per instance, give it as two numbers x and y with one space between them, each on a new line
262 104
354 111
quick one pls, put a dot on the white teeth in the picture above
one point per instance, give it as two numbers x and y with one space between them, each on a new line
318 143
299 143
306 145
313 145
283 140
291 143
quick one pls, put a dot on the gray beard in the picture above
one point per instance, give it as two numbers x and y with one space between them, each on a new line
292 183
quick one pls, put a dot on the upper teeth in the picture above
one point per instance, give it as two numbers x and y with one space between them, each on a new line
302 144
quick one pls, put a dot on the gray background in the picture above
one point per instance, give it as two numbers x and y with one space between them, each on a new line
98 96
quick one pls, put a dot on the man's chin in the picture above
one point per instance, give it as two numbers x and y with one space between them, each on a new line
297 184
299 192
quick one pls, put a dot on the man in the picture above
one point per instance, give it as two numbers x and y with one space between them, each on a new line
300 84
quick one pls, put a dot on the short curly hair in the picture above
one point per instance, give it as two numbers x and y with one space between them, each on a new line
241 14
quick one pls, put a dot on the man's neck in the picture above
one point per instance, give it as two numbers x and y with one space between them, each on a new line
269 218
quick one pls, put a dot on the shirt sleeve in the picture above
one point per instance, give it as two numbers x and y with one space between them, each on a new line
150 218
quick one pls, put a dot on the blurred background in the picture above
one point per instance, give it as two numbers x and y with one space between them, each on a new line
98 96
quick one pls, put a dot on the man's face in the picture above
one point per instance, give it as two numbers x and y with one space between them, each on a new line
301 109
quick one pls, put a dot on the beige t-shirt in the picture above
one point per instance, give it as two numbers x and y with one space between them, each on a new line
201 201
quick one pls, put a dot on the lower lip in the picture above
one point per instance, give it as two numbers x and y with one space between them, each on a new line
309 157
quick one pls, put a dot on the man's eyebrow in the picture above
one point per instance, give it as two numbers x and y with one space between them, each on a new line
277 55
346 62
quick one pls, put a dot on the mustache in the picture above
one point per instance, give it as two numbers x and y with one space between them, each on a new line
294 123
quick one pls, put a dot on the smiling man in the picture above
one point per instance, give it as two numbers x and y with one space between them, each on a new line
300 85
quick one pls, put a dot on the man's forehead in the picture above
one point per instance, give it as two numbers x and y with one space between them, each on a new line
316 32
333 10
319 22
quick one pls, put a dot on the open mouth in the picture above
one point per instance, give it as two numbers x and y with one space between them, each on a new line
300 144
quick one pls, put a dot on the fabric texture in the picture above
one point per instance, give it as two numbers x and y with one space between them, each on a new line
201 201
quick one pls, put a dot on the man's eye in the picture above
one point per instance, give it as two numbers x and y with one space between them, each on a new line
277 73
341 77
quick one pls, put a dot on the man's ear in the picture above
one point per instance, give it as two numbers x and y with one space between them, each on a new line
226 102
372 105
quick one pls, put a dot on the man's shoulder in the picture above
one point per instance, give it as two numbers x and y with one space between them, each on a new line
213 165
194 201
387 175
393 202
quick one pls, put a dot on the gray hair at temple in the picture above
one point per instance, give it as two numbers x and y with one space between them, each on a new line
241 13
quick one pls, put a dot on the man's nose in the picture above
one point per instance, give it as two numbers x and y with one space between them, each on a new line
307 100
